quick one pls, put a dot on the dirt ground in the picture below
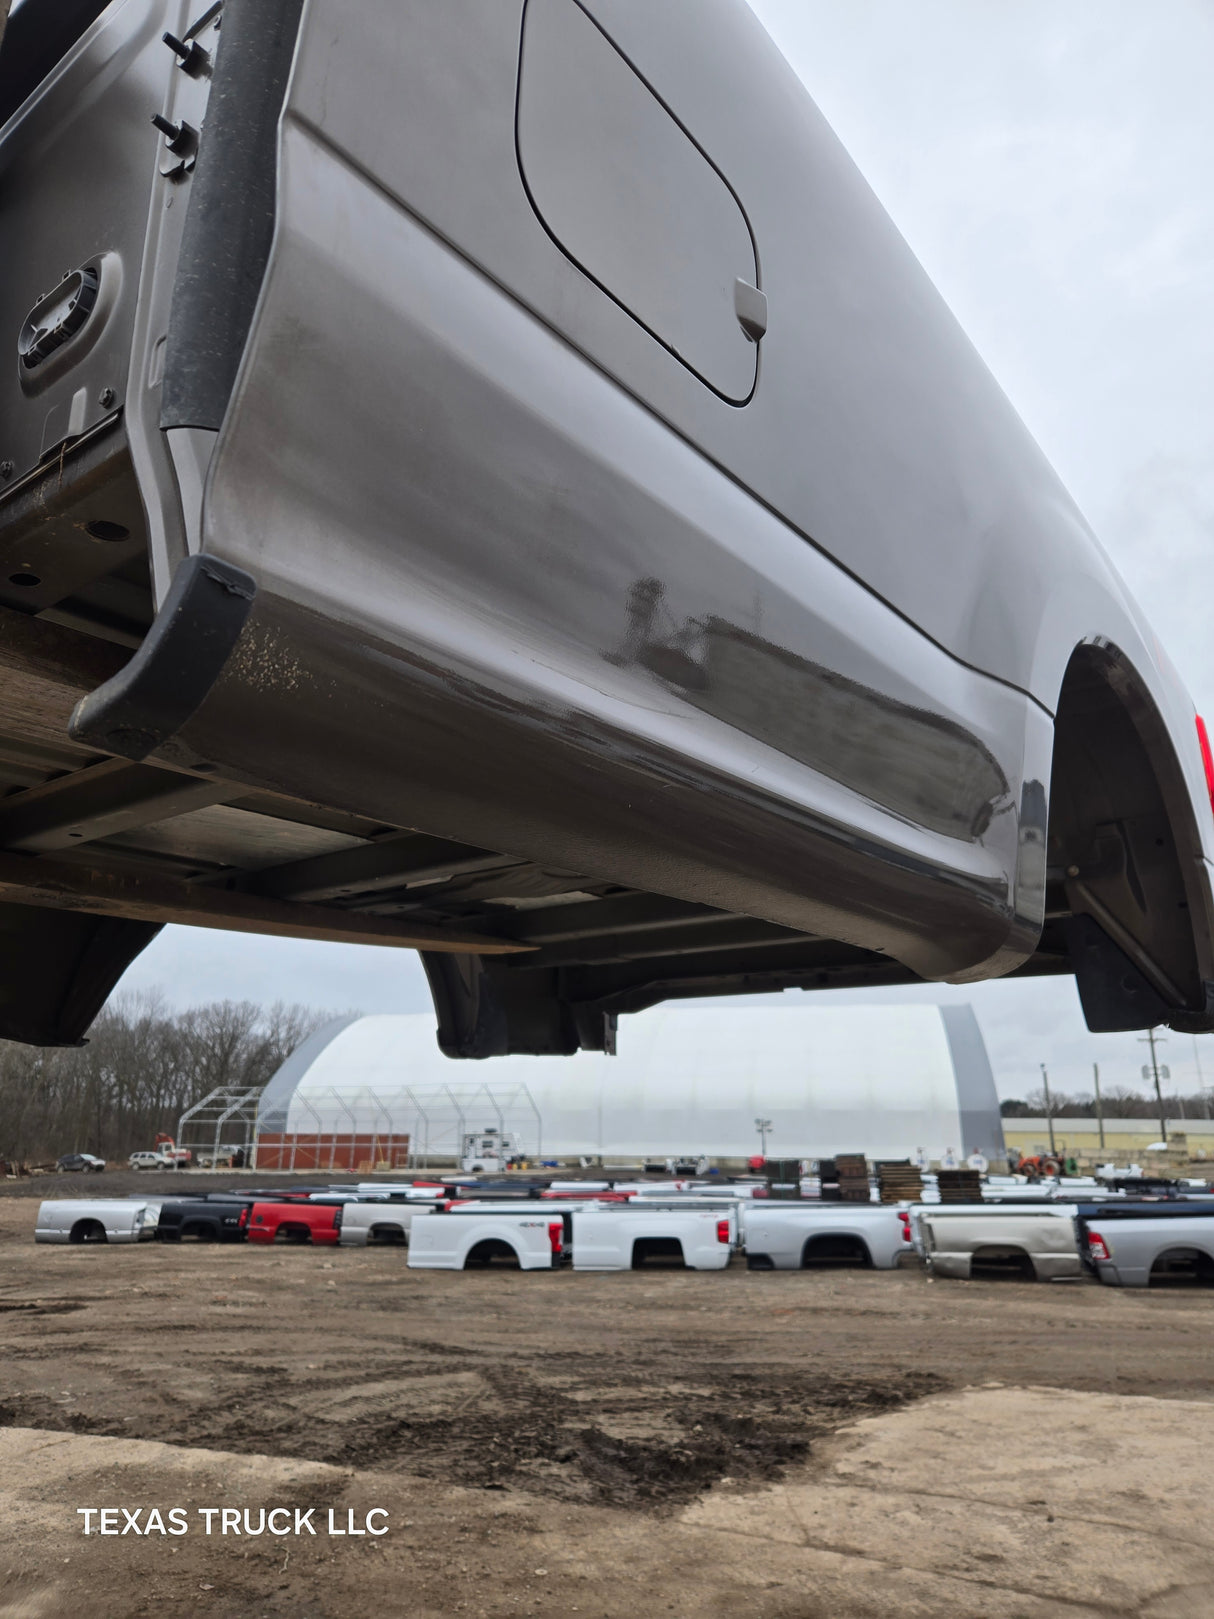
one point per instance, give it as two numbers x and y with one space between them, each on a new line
597 1428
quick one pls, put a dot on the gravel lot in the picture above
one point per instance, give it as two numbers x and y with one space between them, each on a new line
617 1399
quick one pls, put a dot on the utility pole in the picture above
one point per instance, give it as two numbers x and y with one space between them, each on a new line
1153 1040
1201 1081
1049 1108
763 1126
1099 1104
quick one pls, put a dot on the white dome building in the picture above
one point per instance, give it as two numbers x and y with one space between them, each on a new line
882 1080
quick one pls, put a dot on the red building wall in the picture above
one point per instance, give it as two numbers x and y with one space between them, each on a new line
364 1153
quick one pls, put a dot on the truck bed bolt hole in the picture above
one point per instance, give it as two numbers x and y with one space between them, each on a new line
100 529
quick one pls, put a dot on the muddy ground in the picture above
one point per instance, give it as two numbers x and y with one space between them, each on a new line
500 1405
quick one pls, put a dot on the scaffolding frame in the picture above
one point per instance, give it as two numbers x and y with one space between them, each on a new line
435 1115
217 1109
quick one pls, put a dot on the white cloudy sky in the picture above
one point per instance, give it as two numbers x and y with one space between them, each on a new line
1050 164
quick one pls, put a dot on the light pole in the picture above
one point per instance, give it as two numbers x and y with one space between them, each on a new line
1049 1108
1152 1039
1099 1104
763 1126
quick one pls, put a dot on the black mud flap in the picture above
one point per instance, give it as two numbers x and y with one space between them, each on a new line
1114 994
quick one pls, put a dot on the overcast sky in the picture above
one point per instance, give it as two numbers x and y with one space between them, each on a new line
1050 165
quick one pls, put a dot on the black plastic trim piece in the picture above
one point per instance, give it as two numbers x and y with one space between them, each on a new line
483 1013
166 681
58 969
230 225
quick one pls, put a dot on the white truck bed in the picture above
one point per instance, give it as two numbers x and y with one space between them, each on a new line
796 1236
619 1236
97 1219
533 1236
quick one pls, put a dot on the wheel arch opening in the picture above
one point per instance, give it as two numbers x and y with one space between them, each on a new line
663 1248
1002 1261
836 1248
1126 901
490 1251
1183 1263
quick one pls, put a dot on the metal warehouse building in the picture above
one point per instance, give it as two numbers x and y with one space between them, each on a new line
376 1092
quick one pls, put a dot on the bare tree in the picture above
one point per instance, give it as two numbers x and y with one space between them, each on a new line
1044 1107
139 1070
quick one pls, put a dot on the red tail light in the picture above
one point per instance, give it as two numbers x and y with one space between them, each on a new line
722 1230
244 1218
1097 1247
906 1225
1207 758
556 1235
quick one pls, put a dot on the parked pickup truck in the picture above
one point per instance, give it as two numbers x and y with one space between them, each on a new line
611 1237
96 1219
799 1236
302 1222
1135 1246
534 1239
986 1241
203 1218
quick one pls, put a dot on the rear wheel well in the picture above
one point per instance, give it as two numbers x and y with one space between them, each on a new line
1003 1261
89 1231
1183 1265
492 1251
646 1248
293 1231
836 1248
386 1233
1123 847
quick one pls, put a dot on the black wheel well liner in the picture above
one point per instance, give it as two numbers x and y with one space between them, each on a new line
1183 1250
491 1248
394 1228
1123 853
657 1248
835 1245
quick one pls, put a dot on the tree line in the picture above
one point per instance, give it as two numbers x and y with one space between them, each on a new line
1118 1102
141 1067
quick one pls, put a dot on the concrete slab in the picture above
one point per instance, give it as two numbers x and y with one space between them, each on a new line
1089 1502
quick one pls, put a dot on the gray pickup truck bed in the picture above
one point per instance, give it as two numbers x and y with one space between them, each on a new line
1174 1241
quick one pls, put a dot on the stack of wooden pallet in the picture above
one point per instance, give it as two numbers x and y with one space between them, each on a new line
853 1177
960 1186
899 1181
